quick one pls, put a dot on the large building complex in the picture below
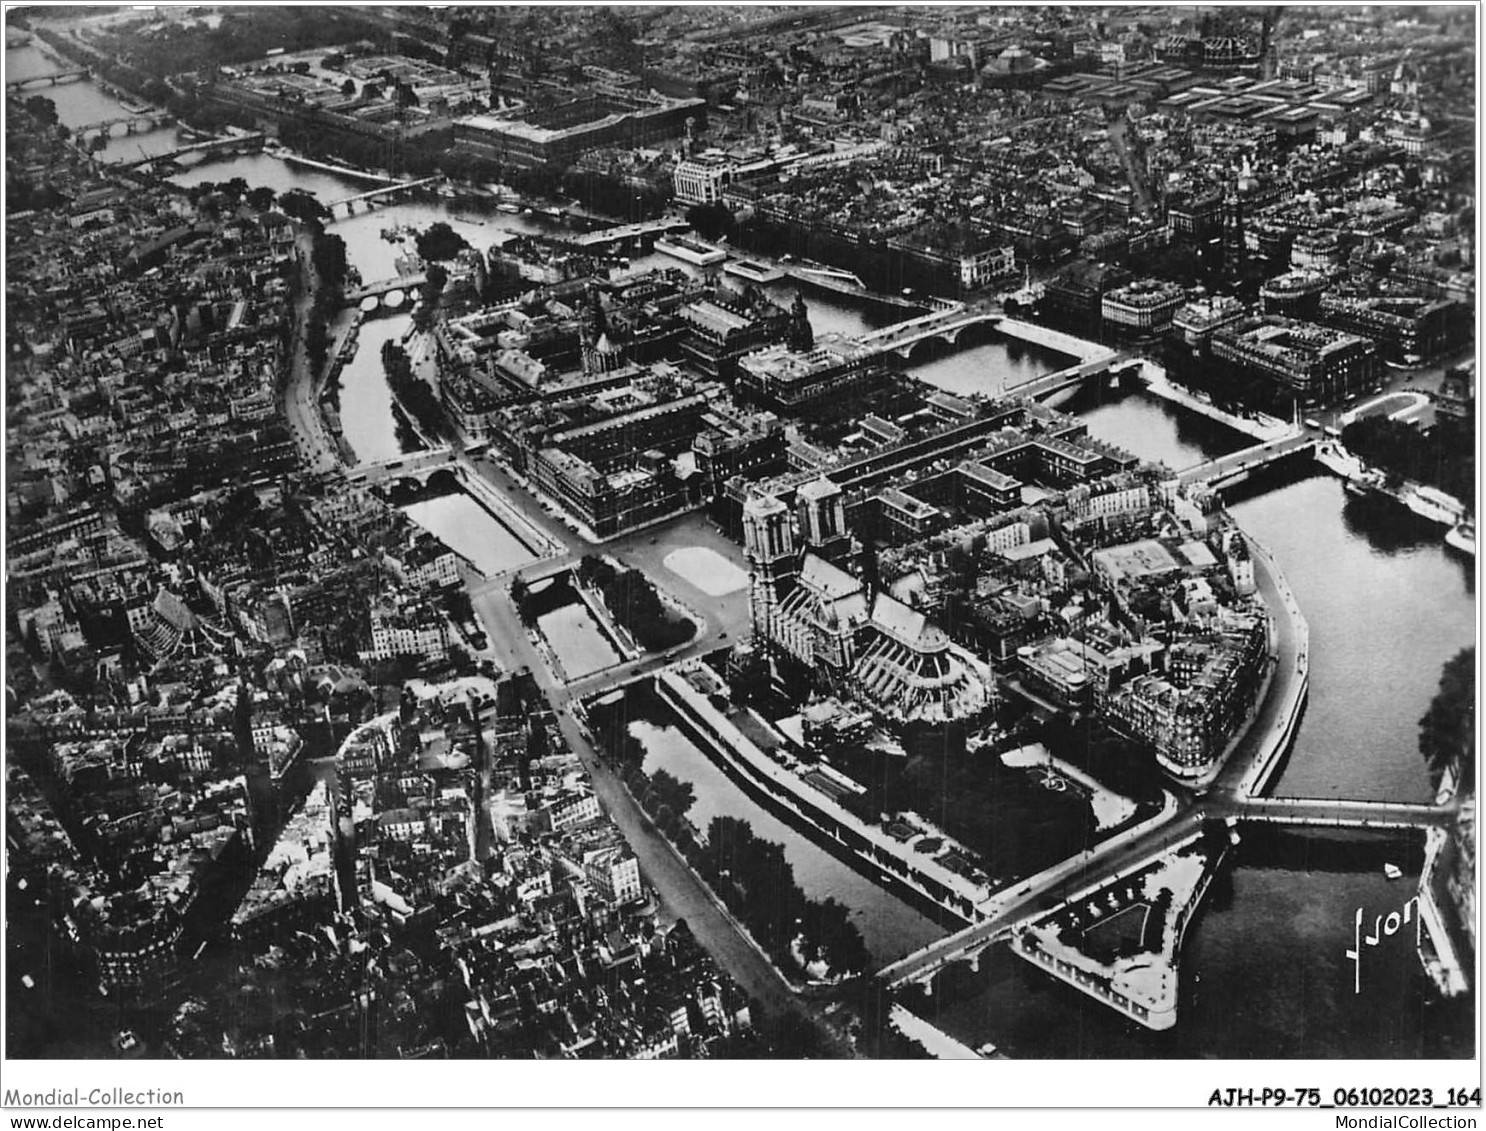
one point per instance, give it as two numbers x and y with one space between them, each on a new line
601 116
1301 360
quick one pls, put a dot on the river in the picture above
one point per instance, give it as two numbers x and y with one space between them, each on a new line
1387 605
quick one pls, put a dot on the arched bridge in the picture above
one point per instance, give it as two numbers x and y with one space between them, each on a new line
133 124
946 324
409 283
56 78
414 465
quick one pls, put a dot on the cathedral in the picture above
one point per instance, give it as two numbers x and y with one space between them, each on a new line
860 643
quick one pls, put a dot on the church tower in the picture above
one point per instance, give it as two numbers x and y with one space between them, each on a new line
599 353
801 334
821 509
769 542
1233 233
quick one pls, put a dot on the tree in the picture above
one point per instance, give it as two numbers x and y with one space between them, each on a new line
43 109
440 242
328 253
711 220
302 205
460 660
348 88
261 198
1447 730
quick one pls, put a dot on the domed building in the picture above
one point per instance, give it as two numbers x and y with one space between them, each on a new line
1013 64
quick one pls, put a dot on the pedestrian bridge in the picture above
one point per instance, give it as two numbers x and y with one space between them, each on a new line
348 204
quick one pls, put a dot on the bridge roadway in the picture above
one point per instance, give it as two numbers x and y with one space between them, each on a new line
383 190
135 122
1040 388
1216 470
195 147
55 78
944 323
605 236
385 286
1333 812
411 465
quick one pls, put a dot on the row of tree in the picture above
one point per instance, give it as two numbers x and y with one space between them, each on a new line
757 883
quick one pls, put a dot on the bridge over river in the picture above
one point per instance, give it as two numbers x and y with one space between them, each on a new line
1237 466
384 192
212 145
55 78
1334 813
608 237
945 324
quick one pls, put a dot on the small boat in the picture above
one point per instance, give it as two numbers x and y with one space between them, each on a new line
1364 486
1462 537
1392 871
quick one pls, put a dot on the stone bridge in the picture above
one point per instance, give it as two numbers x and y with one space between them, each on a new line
56 78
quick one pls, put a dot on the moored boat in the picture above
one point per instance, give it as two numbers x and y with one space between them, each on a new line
1462 537
1363 486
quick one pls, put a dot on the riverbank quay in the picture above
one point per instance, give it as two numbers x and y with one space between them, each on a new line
1259 425
1251 765
869 846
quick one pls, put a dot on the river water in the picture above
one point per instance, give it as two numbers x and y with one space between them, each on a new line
581 646
1387 605
890 927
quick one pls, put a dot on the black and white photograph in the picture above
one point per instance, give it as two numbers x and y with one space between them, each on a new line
741 533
